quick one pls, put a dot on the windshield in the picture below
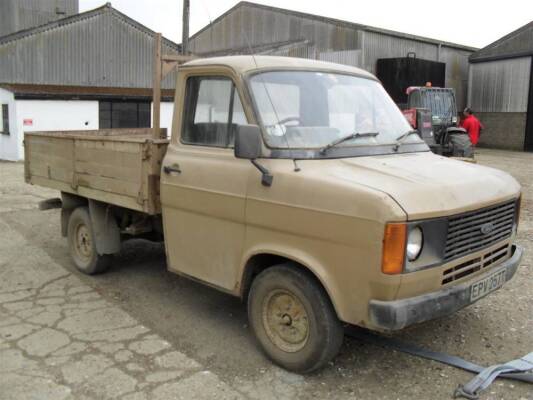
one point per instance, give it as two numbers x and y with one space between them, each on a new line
441 102
308 109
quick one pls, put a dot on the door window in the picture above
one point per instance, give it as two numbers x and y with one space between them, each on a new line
213 111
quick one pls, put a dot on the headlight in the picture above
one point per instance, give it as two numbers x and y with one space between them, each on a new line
415 241
454 120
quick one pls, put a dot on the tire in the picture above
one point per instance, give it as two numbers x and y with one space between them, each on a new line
82 245
461 145
293 319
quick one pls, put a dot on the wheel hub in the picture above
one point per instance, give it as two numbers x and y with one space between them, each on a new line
83 242
285 320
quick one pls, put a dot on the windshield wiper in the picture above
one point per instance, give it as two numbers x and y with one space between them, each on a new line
351 136
400 139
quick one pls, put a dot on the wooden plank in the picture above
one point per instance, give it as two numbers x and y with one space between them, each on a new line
55 159
50 146
95 133
156 123
51 158
158 151
109 185
111 198
127 135
124 147
51 171
108 157
106 170
179 58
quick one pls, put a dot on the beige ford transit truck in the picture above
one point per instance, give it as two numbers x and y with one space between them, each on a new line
298 186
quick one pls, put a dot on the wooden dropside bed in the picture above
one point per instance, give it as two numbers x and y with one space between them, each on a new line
116 166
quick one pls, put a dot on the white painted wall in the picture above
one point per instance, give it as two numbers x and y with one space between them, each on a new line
9 144
167 110
47 115
54 115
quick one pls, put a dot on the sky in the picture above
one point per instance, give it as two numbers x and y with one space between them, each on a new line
469 22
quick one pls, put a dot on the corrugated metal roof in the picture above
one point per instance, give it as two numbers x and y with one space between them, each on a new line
101 47
516 44
271 30
16 15
327 20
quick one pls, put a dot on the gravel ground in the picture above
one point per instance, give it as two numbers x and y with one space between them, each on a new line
209 331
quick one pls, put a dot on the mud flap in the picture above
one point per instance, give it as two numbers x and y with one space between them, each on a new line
106 231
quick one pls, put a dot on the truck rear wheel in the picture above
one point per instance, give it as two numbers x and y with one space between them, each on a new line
293 319
82 245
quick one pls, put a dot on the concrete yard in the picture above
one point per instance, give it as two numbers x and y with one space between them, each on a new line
140 332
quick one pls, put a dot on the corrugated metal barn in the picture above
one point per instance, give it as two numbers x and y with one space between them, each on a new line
16 15
270 30
86 71
102 47
501 90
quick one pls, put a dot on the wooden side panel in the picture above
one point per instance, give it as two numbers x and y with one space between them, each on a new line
107 168
51 158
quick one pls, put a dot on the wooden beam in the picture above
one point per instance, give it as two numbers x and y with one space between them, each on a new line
177 57
156 125
167 68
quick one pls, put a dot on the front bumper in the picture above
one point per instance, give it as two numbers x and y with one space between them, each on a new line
398 314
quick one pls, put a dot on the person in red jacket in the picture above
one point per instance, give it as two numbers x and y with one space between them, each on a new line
472 125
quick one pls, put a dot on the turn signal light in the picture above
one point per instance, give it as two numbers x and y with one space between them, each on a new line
394 248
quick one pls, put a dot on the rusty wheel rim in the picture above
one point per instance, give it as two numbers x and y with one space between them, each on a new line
285 320
83 243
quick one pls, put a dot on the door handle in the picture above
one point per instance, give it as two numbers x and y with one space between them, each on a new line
173 168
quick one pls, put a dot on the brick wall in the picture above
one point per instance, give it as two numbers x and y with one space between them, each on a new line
503 130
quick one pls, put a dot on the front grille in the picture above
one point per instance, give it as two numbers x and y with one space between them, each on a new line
476 264
478 229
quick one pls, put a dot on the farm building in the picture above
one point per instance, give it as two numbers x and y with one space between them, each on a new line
250 27
501 90
17 15
85 71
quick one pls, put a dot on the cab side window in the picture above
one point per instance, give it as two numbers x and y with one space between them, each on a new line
212 112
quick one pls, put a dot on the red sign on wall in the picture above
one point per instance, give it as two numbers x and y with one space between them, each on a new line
28 122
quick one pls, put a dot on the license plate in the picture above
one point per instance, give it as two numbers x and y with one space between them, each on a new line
487 285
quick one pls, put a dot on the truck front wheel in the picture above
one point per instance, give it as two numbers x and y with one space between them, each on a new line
293 319
82 244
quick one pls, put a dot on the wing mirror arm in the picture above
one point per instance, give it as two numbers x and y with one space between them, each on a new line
249 145
266 176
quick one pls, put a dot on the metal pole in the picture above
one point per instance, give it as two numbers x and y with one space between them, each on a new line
157 87
185 31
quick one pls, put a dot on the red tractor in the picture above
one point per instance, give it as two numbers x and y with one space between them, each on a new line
432 111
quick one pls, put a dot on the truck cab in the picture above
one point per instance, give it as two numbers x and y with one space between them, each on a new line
387 232
297 186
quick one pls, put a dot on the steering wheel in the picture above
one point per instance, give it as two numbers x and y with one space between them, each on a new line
290 119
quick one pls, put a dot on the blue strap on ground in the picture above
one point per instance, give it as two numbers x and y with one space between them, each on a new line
481 381
517 370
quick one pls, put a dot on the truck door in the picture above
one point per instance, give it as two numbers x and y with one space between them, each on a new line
203 185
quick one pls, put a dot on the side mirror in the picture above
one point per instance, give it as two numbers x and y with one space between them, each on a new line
249 145
248 142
